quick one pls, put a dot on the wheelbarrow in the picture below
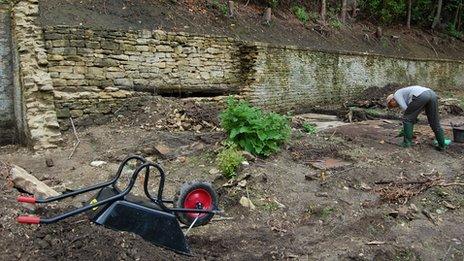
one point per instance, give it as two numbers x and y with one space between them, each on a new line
151 218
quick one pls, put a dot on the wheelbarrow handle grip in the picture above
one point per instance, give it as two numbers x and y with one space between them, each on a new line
28 219
25 199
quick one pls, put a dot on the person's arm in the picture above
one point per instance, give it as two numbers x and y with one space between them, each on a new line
400 100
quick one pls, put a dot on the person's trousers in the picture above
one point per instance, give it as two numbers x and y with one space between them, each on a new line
427 100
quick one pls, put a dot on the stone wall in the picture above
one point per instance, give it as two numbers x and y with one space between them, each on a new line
298 79
7 123
35 85
63 72
92 70
100 64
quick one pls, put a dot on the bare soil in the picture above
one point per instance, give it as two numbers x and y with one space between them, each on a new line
301 212
206 17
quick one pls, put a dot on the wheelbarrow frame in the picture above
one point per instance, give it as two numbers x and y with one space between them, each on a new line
159 214
159 201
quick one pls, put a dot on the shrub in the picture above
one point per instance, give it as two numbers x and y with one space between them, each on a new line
300 13
228 160
222 7
252 129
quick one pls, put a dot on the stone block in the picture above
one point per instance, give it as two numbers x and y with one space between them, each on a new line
63 113
76 113
109 45
115 75
123 82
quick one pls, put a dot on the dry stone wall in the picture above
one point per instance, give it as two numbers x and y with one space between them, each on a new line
92 70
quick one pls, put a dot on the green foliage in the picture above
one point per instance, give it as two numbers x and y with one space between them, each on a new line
453 32
222 7
335 23
300 13
252 129
310 127
229 159
385 11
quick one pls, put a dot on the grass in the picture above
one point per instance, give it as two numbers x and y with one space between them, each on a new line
326 212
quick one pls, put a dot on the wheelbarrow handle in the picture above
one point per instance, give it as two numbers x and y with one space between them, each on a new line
25 199
91 188
28 219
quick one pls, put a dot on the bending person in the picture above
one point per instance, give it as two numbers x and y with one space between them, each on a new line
413 100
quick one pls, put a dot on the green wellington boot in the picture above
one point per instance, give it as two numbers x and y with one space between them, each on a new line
408 133
441 142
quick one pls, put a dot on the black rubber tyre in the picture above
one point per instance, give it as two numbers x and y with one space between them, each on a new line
191 195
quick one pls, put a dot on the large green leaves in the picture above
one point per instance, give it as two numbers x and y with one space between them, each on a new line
252 129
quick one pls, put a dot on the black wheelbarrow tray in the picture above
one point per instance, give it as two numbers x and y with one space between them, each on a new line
194 205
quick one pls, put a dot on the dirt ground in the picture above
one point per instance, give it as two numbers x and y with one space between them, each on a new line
384 203
205 17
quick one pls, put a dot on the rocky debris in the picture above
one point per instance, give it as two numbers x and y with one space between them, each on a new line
311 176
163 150
25 181
214 171
98 163
246 202
49 162
452 106
321 121
314 117
166 114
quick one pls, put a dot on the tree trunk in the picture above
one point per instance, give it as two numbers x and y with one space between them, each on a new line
354 6
267 15
231 6
456 15
408 23
323 12
437 18
343 14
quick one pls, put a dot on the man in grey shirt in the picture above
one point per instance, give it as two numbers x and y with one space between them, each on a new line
413 100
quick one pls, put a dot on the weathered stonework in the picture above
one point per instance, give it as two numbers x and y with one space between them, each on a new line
299 79
7 121
278 78
89 75
92 67
42 129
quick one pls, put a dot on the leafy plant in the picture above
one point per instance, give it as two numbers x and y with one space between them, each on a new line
335 23
310 128
222 7
229 159
300 13
453 32
255 131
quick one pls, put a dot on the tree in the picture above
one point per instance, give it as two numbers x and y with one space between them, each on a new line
323 12
437 18
408 23
343 14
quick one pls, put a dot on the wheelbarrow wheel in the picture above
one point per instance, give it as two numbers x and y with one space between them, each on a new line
196 195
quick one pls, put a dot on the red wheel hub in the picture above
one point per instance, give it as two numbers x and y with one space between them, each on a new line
198 199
